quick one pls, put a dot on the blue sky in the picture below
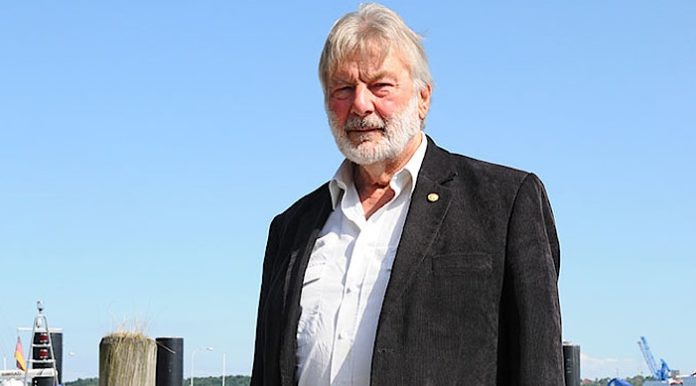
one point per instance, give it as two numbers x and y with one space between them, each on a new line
144 149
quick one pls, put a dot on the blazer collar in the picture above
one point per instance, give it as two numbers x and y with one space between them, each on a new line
437 164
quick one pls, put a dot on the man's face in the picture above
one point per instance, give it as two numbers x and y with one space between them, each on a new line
373 108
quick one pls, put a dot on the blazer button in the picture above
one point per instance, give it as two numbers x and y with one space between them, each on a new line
432 197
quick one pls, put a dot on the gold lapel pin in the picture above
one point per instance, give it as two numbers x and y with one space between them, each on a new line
432 197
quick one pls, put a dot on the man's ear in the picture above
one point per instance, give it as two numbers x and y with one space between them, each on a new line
424 101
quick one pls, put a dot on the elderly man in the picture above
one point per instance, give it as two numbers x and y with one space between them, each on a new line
413 265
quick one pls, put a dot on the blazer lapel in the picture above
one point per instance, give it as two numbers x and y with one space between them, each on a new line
429 204
309 226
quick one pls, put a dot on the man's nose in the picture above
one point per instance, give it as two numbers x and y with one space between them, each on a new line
363 104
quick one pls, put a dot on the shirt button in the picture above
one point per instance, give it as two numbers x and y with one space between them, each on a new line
342 335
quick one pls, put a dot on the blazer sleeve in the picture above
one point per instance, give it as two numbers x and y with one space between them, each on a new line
531 321
259 370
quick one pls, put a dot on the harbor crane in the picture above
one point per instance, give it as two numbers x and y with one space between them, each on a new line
660 373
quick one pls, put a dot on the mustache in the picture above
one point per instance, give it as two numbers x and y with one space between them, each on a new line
372 121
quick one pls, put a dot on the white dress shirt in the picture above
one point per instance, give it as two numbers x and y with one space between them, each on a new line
346 279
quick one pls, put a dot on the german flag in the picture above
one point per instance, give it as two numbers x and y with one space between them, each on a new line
19 356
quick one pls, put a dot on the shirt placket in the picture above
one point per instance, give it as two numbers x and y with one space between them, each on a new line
348 310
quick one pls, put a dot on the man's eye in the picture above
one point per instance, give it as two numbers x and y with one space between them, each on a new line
382 88
342 92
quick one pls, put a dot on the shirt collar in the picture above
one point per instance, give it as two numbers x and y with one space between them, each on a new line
400 180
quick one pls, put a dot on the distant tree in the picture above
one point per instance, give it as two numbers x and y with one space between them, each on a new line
638 380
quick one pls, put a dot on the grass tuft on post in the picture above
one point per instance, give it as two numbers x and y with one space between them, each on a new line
127 358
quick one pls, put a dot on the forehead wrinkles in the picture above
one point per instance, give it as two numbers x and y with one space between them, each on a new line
368 66
367 54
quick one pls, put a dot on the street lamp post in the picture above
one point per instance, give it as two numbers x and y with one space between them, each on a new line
193 356
223 369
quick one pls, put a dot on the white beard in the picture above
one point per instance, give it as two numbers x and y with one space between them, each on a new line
397 131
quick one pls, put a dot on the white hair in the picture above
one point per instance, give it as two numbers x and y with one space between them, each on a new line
374 26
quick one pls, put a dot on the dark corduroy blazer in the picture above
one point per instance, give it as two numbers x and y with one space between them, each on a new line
472 298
